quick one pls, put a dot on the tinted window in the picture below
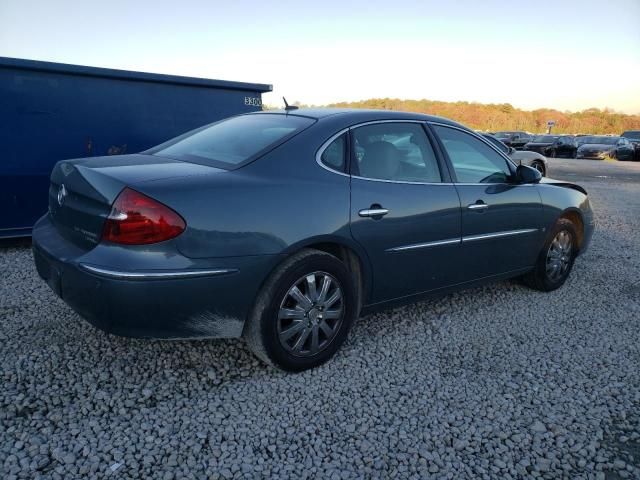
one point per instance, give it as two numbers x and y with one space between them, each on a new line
395 151
497 143
334 156
545 138
232 141
473 160
634 134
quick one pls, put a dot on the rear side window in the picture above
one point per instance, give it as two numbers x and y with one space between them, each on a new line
335 155
394 151
473 160
231 142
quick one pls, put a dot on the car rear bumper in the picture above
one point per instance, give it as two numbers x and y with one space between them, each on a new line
203 301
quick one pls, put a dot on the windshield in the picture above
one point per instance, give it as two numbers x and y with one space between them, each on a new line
635 134
545 138
230 142
599 140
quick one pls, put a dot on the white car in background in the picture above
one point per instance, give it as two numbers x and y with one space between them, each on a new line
531 159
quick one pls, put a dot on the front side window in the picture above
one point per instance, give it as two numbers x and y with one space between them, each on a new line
335 154
473 160
394 151
230 142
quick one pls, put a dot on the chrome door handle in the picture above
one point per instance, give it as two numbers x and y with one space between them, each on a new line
373 212
477 206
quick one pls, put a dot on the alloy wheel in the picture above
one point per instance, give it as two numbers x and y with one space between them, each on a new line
539 167
559 255
310 314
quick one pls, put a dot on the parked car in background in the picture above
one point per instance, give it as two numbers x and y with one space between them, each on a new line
634 137
601 147
532 159
553 145
284 227
516 139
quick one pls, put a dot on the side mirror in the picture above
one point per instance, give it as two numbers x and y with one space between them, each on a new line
525 174
511 150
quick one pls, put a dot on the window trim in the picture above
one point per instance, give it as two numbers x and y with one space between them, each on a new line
326 144
510 164
443 168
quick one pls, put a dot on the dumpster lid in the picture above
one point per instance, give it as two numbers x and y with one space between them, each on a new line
66 68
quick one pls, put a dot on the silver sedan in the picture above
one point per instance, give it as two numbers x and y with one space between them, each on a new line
531 159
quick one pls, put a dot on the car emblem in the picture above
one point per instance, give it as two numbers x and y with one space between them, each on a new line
62 194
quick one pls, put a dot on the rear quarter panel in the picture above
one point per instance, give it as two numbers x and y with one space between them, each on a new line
271 206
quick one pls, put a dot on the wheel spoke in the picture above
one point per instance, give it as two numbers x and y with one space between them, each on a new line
314 339
331 314
326 283
291 314
337 295
291 331
301 340
311 287
301 298
326 329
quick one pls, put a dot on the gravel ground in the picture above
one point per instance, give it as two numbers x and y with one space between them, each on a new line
494 382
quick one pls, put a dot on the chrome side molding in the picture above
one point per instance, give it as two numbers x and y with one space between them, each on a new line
415 246
154 275
468 238
508 233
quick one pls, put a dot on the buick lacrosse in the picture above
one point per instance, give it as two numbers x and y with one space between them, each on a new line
284 227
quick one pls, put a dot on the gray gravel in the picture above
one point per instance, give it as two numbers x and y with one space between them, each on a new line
494 382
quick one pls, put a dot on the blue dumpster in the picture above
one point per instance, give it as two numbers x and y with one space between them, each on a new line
52 111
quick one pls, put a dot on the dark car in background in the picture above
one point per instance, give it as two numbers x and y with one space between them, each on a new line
634 137
531 159
284 227
515 139
602 147
553 145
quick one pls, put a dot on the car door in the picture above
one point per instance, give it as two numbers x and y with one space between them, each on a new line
625 150
405 212
501 220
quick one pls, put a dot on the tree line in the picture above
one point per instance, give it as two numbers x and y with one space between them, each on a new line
494 117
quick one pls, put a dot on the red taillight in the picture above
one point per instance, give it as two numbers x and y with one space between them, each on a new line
136 219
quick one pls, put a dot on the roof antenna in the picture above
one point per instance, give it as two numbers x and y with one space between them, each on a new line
288 107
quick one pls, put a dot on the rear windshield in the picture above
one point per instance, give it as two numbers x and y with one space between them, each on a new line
231 142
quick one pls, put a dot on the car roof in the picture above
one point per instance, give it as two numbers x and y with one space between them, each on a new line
359 114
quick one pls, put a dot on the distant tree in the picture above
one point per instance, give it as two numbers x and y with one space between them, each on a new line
495 117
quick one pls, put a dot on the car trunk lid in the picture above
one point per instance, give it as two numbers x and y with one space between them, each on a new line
82 191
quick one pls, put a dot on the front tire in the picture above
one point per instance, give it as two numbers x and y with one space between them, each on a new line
556 258
304 312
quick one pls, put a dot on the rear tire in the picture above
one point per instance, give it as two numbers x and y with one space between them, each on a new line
556 258
294 298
